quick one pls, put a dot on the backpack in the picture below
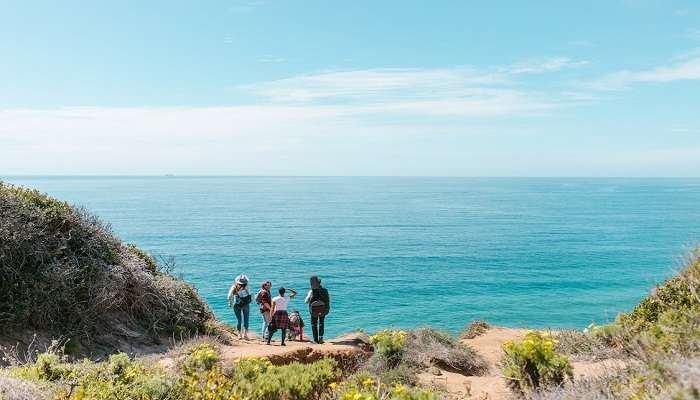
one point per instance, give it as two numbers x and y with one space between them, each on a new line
259 296
319 303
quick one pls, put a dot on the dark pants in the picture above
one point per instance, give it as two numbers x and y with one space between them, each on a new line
272 333
317 325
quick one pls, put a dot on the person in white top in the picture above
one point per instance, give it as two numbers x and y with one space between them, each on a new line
280 318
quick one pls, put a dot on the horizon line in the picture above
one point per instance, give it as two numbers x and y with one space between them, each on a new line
345 176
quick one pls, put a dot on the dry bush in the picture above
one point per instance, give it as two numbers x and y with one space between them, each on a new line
428 346
62 272
673 378
16 389
475 329
586 347
422 349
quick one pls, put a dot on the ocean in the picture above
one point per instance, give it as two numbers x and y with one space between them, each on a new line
405 252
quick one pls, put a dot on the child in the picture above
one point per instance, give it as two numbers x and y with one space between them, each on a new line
296 326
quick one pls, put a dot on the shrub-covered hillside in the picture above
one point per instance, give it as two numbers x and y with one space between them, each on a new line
660 339
63 274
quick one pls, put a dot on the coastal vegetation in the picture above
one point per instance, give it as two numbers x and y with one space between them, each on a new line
660 340
104 313
64 275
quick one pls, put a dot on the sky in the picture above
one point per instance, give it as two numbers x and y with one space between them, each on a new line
416 88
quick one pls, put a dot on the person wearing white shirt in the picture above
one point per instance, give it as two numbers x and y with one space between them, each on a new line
280 317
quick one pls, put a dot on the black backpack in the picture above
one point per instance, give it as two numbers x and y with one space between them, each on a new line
319 304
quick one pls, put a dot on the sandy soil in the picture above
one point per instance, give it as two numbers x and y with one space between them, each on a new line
492 386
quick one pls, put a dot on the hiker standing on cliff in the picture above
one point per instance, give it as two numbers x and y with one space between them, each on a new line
264 300
239 297
280 318
319 302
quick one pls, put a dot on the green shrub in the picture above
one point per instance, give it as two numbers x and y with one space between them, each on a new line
118 378
677 293
204 377
49 367
364 386
532 364
201 358
389 343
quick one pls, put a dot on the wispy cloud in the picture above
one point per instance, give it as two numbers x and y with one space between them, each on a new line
288 120
372 83
686 68
459 91
544 66
405 83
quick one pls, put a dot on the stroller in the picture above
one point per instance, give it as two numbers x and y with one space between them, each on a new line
296 327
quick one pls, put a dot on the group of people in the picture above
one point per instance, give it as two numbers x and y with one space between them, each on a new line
274 309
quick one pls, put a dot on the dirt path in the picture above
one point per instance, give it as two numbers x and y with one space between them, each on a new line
345 349
492 386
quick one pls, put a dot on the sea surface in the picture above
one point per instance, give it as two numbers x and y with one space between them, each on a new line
405 252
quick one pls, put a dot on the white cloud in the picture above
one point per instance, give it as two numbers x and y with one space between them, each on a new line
544 66
312 124
372 83
684 70
405 83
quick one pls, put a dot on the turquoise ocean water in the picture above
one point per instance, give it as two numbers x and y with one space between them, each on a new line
404 252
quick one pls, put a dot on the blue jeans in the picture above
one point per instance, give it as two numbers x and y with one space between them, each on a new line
246 315
266 322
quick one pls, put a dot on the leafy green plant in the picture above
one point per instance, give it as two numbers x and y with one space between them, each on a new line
364 386
389 343
532 363
201 358
204 377
677 293
118 378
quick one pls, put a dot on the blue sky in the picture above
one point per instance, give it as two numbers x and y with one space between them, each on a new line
547 88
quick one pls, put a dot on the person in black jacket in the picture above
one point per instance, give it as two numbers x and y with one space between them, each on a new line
319 306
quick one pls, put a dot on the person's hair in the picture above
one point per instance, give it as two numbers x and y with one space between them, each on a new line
236 287
315 282
265 283
281 291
